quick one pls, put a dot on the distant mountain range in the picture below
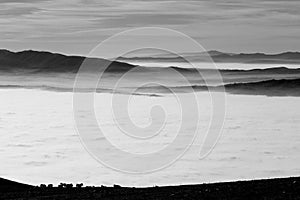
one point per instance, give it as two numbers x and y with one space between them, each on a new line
42 62
33 69
217 56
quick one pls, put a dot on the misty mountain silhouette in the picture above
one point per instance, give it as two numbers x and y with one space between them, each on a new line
273 87
36 61
282 87
40 61
217 56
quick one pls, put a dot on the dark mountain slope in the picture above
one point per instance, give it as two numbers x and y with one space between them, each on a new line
34 61
7 186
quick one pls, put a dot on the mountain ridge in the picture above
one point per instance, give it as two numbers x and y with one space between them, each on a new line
43 61
288 57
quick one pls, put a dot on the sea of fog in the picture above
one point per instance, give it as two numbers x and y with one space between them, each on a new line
40 143
260 139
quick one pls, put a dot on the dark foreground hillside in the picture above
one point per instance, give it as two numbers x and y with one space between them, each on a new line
281 188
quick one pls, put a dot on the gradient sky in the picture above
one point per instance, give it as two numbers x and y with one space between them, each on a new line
75 27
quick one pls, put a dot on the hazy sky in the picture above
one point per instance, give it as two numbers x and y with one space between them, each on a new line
75 27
